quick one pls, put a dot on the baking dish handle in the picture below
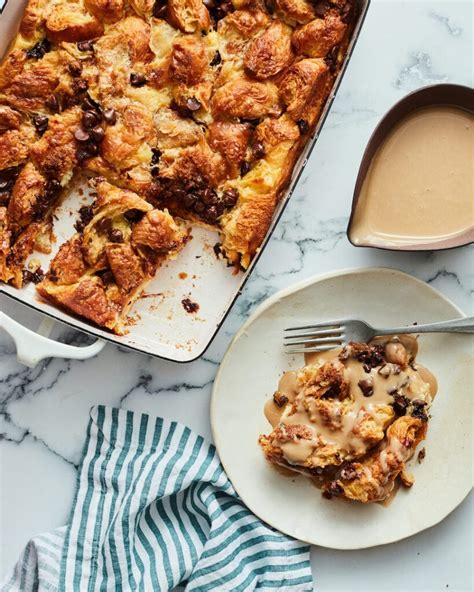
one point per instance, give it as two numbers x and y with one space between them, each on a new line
32 347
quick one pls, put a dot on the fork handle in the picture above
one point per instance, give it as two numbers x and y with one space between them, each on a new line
465 325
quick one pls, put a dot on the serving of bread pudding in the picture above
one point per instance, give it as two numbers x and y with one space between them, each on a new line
351 418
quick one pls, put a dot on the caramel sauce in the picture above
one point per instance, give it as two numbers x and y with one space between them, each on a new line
418 188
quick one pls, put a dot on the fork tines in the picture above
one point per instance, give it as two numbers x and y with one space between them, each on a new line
314 338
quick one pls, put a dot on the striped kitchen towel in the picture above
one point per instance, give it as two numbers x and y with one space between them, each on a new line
154 509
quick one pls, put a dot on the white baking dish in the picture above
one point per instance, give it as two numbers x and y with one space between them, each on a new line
160 326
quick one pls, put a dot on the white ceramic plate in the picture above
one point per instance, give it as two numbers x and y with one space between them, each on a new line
249 375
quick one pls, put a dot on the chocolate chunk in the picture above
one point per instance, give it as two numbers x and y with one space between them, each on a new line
366 386
244 168
155 171
110 116
41 123
155 159
34 277
421 455
39 49
258 150
137 79
4 198
303 126
85 46
90 119
134 215
74 69
115 235
193 104
230 197
104 225
220 9
81 135
216 60
189 305
400 404
97 134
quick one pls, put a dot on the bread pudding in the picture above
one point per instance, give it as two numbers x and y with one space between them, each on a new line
185 110
351 418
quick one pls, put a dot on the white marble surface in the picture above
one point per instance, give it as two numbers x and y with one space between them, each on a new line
43 412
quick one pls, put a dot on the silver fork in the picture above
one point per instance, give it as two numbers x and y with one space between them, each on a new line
332 334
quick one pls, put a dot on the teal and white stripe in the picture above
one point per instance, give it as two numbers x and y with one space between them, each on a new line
154 509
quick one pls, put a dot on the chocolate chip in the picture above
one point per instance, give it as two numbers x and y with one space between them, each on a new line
188 200
110 116
88 104
93 149
321 7
189 305
419 409
41 123
80 86
134 215
115 235
159 8
199 207
85 46
252 122
280 399
85 216
349 472
332 489
216 60
303 126
35 277
212 213
331 59
155 159
193 104
137 79
366 386
230 197
155 171
244 168
83 154
4 198
421 455
52 102
90 119
106 276
97 134
39 49
74 69
400 404
82 135
258 150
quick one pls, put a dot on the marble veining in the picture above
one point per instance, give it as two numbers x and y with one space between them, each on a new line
43 411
